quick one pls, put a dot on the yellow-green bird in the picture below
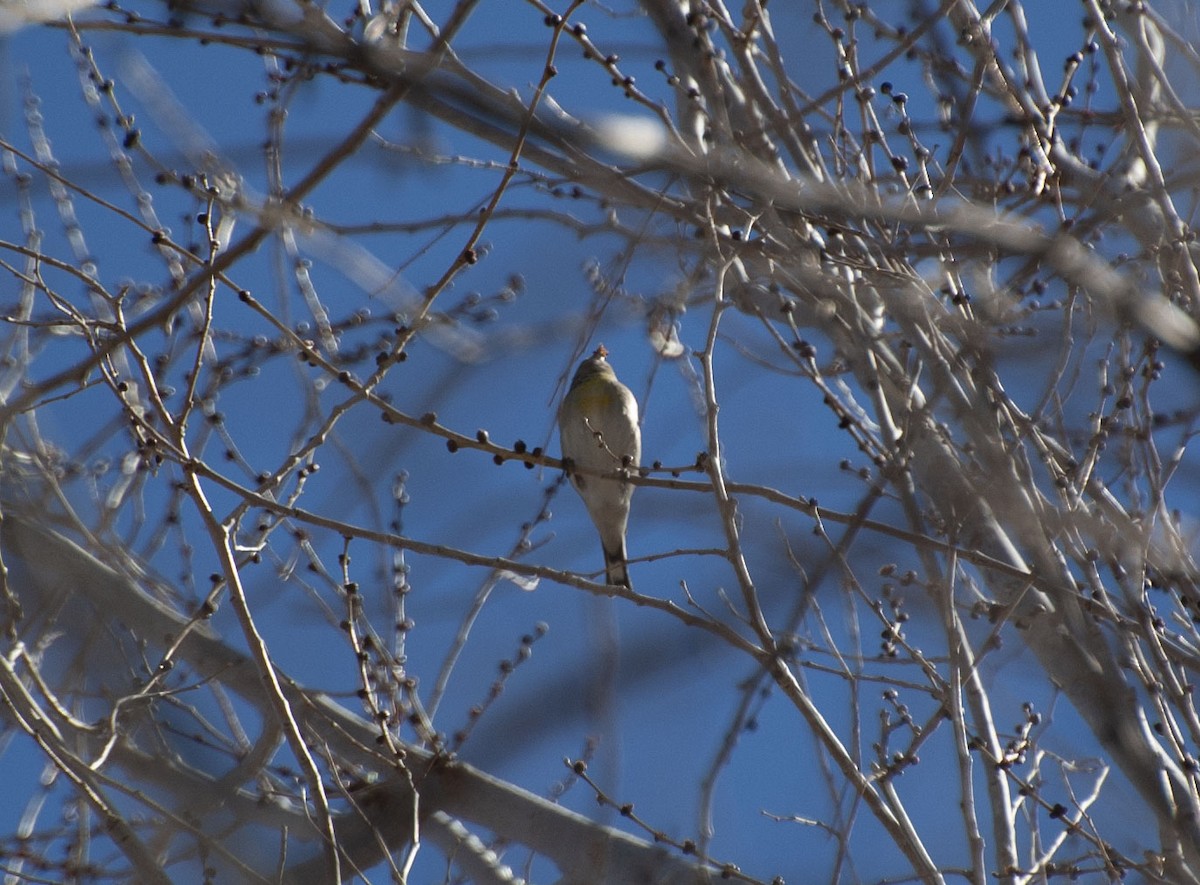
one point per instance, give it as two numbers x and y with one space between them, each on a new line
598 426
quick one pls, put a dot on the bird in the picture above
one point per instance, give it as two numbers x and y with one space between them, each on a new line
598 428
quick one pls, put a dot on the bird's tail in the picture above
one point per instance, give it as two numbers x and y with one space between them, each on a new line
615 571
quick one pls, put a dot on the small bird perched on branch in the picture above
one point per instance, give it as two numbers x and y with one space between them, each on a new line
598 426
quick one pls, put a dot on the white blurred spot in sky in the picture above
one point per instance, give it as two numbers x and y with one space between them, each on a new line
15 14
639 138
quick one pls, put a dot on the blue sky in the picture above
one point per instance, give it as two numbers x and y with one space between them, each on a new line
676 688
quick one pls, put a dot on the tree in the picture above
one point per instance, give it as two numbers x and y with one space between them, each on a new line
898 304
